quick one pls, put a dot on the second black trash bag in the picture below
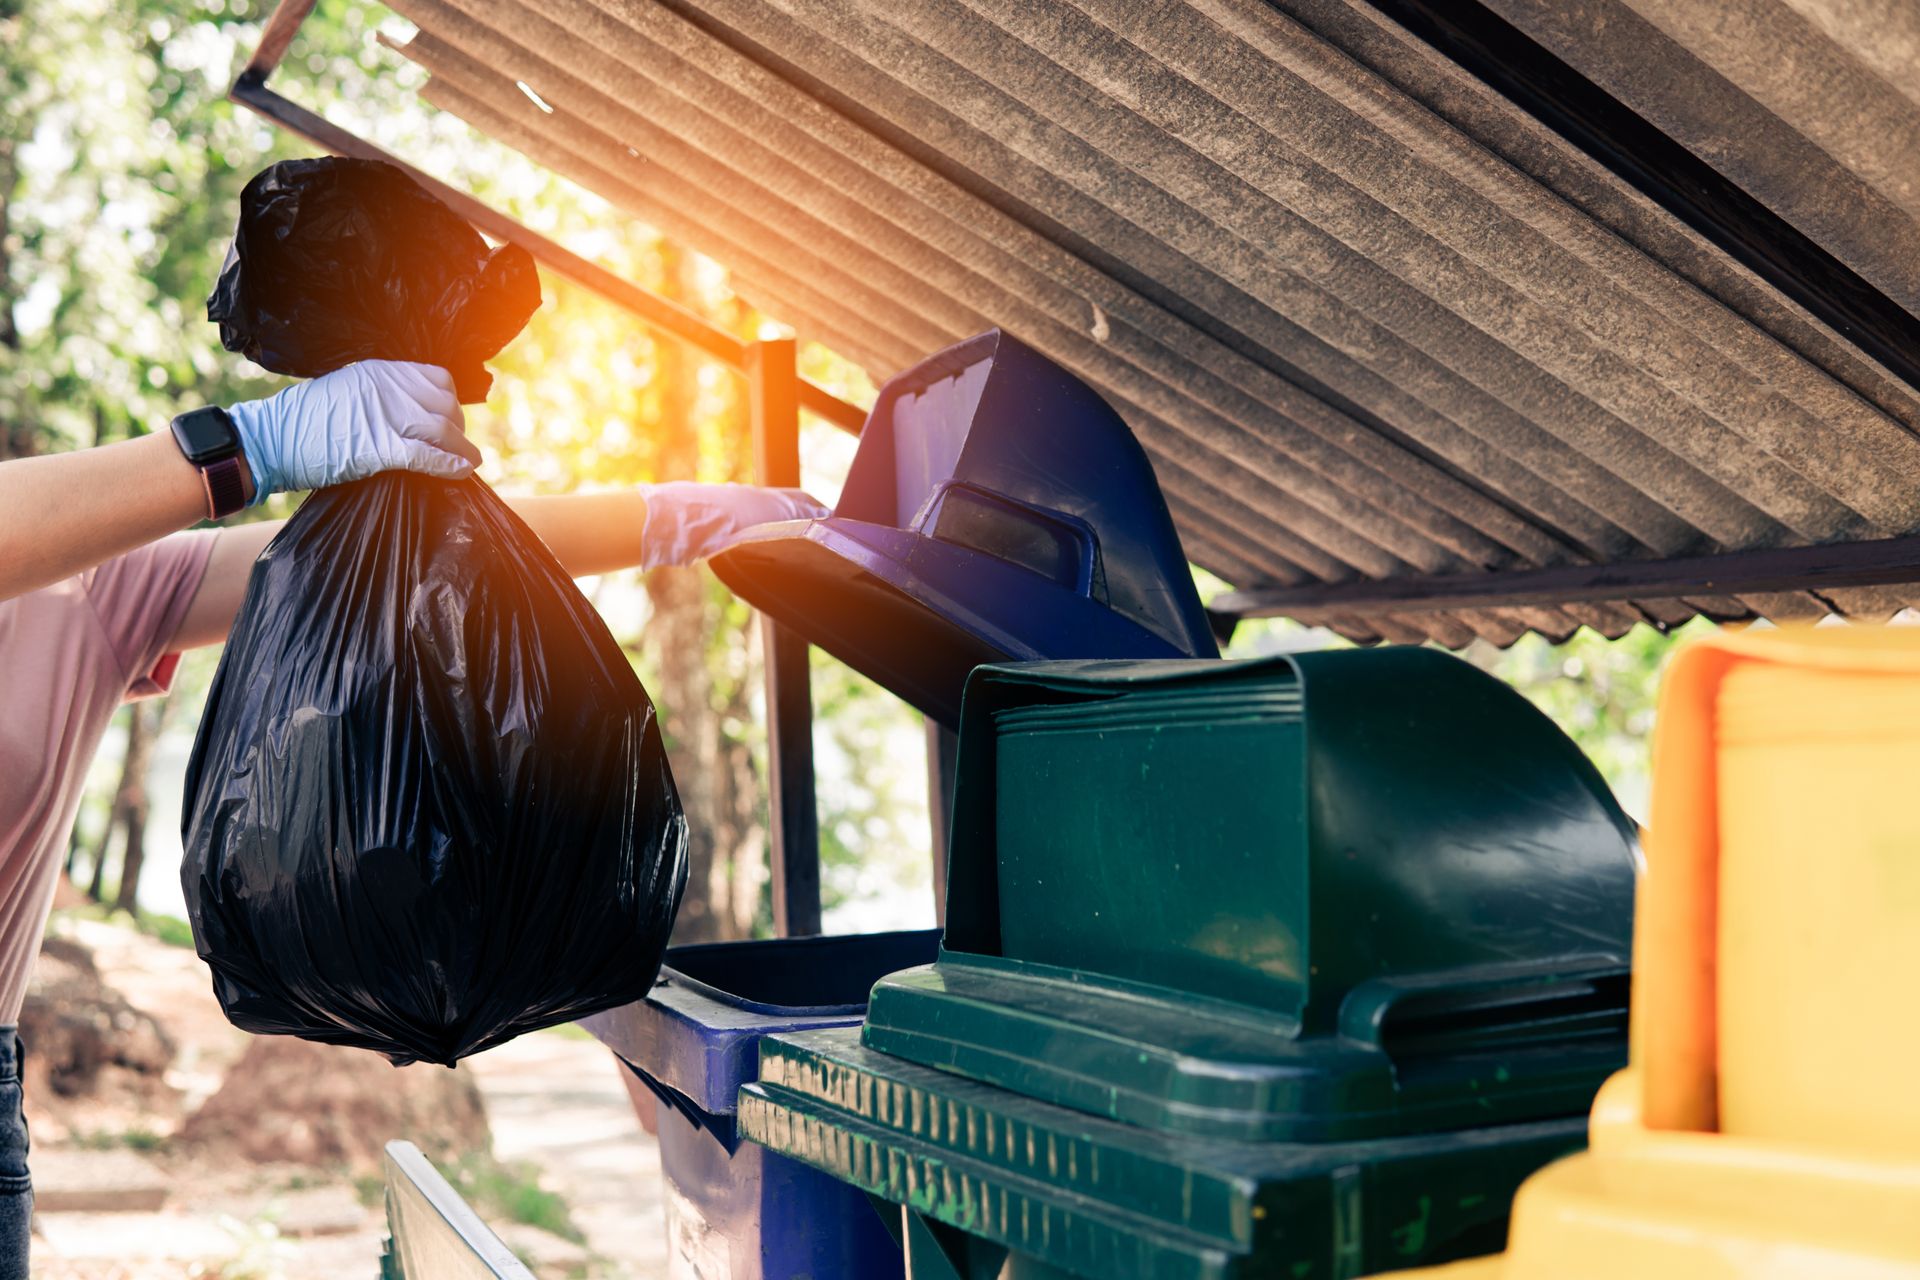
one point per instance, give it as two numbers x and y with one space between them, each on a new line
428 808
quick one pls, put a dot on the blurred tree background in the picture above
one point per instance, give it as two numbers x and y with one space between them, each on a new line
120 169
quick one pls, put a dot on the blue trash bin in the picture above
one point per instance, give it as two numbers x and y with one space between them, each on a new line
736 1209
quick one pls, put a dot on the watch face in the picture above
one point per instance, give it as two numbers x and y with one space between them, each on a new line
205 435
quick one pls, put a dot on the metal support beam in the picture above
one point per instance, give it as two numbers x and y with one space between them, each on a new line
774 384
283 24
1890 562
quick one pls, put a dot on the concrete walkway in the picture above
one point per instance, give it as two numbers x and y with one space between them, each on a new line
553 1098
554 1101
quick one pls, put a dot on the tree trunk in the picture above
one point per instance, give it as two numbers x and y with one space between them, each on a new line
103 847
134 857
9 175
17 439
745 802
136 799
677 632
714 770
132 805
96 887
9 335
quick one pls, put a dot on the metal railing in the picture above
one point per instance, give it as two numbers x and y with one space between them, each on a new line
777 396
432 1233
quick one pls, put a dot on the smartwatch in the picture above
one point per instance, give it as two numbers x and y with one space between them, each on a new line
211 443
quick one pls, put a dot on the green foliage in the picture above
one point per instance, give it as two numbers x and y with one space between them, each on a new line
130 1140
171 930
870 763
127 164
512 1191
497 1191
1601 692
569 1031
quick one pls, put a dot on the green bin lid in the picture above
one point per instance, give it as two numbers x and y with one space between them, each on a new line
1301 898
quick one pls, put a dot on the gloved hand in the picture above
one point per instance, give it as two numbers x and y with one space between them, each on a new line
688 522
376 415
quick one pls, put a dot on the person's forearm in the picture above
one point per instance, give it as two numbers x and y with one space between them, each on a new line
589 533
63 514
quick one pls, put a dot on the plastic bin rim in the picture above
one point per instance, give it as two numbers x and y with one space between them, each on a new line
715 994
707 991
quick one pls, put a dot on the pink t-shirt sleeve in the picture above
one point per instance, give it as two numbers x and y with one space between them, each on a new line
141 598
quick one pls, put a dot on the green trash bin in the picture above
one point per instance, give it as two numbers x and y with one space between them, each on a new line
1294 967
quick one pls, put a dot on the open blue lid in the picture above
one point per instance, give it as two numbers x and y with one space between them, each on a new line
997 510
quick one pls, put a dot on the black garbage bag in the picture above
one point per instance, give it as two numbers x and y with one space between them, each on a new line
428 807
337 260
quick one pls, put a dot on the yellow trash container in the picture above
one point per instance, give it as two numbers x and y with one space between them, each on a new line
1769 1125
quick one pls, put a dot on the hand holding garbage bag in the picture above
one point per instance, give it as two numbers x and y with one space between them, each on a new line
374 416
428 807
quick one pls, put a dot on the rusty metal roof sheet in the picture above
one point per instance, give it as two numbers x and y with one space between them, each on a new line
1370 318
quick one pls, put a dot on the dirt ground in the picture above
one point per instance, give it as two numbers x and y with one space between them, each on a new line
572 1185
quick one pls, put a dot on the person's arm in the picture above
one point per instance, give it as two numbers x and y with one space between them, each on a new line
64 514
224 585
589 533
650 526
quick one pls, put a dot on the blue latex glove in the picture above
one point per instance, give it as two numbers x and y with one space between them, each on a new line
376 415
688 522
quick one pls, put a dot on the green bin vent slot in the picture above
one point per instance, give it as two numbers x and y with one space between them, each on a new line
1449 1026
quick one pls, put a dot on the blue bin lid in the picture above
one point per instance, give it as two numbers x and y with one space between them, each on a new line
997 510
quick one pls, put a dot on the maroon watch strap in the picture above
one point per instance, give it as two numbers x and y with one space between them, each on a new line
226 487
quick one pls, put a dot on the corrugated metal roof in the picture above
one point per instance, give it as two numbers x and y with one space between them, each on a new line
1369 318
1813 106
